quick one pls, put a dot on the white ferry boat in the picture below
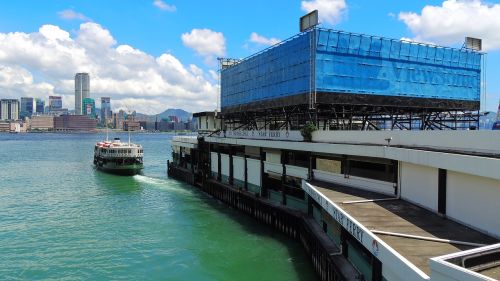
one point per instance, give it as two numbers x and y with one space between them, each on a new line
118 157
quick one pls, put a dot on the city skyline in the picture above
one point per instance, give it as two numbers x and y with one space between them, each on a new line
134 66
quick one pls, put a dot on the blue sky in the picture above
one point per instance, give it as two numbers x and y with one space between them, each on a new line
170 48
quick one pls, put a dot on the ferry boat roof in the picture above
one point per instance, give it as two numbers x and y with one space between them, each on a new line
400 217
116 143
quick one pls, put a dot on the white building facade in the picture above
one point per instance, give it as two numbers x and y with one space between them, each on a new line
9 109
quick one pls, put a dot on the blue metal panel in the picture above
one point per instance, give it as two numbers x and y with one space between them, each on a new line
280 71
353 64
380 66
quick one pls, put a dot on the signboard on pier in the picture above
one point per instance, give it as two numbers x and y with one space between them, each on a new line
262 135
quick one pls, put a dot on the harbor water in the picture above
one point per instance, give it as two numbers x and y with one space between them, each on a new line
60 219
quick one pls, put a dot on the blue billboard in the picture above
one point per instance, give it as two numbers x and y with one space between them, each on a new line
348 63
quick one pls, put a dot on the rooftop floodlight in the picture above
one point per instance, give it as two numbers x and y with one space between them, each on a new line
475 44
309 21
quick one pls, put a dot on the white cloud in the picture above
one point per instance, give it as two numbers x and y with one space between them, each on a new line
16 81
329 11
72 15
451 22
44 63
207 43
94 38
261 40
164 6
52 33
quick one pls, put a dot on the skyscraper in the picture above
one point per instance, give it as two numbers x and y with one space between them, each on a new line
55 103
82 91
105 109
89 107
26 107
9 109
40 106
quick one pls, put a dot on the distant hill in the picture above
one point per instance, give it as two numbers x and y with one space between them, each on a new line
180 113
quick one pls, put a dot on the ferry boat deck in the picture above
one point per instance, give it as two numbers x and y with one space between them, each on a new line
400 217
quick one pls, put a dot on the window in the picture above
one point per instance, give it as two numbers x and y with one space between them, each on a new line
297 158
372 170
272 181
328 165
293 187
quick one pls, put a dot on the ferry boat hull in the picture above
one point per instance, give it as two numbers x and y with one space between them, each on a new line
124 170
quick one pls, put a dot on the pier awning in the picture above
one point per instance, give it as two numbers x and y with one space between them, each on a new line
394 230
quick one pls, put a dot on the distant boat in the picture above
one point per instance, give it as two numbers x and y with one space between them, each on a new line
118 158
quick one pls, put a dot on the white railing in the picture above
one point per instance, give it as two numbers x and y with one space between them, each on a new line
451 271
120 155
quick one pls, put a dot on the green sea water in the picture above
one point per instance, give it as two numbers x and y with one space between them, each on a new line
60 219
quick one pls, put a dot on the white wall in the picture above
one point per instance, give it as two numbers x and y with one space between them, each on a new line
224 158
253 170
213 124
462 190
273 156
214 162
419 184
239 168
295 171
383 187
482 141
198 120
273 167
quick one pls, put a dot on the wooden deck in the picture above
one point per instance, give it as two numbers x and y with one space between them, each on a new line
402 217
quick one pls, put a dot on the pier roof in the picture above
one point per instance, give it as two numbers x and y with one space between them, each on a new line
401 217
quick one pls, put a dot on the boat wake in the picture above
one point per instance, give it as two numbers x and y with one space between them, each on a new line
163 184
